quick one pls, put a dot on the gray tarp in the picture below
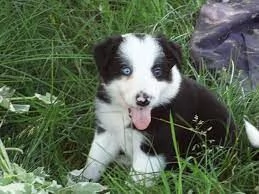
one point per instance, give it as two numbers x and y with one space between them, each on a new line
226 31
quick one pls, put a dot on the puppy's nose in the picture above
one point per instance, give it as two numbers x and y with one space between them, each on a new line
142 99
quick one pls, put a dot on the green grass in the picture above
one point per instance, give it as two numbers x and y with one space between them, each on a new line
45 46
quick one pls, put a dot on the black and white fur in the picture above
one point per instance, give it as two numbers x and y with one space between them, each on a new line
134 68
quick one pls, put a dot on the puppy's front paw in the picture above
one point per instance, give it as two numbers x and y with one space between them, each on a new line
146 179
76 176
85 174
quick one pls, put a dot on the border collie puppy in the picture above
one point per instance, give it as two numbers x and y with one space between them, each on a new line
140 87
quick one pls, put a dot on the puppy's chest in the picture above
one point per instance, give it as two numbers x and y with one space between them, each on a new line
117 122
112 118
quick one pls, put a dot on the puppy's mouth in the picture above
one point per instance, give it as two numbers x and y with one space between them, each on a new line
140 116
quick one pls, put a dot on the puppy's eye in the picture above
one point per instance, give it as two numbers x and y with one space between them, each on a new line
126 70
157 71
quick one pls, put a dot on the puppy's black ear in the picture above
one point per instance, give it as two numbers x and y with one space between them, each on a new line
105 51
173 51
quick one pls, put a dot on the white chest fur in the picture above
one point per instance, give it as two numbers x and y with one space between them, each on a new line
116 121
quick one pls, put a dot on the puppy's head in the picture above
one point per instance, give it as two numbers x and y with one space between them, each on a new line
139 72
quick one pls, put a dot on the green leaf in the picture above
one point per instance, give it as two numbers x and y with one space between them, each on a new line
19 108
4 102
5 164
85 188
6 92
48 98
15 188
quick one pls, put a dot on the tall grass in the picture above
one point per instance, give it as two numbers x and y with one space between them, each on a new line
45 46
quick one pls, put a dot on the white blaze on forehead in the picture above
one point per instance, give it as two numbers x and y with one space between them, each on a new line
140 52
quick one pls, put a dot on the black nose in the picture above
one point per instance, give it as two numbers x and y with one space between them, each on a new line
142 99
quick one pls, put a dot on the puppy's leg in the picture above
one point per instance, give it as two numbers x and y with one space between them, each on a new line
103 150
145 167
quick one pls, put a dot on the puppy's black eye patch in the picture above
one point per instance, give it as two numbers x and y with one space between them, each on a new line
161 70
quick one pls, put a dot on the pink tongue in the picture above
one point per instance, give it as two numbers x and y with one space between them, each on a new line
141 117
